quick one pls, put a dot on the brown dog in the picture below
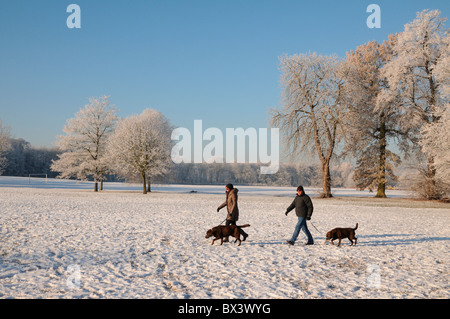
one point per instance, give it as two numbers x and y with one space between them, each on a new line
340 233
220 232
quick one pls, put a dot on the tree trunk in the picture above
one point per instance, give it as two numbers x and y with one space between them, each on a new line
381 191
326 180
144 182
325 160
149 189
432 191
95 182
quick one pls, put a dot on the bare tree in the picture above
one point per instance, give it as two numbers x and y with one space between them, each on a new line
84 145
141 144
311 108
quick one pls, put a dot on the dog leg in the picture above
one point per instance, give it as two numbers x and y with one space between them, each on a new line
238 237
339 242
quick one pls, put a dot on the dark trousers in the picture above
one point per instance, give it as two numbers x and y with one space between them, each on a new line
230 222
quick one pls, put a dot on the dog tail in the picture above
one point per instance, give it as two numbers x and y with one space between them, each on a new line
246 225
356 227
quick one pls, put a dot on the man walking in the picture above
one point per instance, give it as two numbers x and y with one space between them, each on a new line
303 209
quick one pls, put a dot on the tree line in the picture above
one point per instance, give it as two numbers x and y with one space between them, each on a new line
391 94
289 175
20 158
23 159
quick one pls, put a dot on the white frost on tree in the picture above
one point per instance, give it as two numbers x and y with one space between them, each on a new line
412 76
141 145
368 130
435 140
311 111
442 71
84 145
435 137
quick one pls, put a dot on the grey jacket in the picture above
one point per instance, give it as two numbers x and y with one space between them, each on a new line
303 206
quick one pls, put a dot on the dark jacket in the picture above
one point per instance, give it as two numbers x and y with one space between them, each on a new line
303 206
232 206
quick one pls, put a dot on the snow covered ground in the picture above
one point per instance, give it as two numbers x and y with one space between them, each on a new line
59 239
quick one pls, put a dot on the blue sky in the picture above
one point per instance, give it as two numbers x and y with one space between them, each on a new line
213 60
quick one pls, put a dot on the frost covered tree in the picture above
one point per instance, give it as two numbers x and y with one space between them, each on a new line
142 144
368 128
84 145
4 145
435 141
442 71
435 137
411 73
311 108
